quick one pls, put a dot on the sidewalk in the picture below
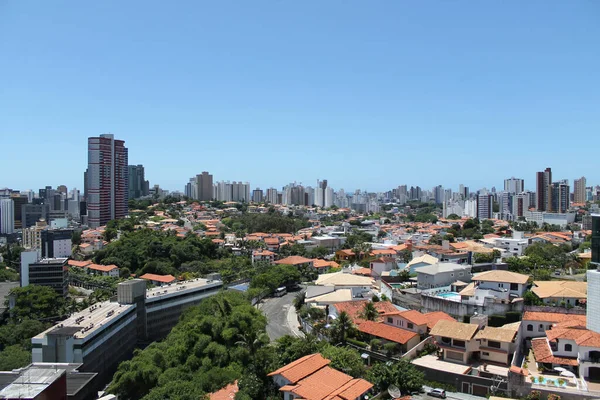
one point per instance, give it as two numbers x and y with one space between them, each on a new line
292 321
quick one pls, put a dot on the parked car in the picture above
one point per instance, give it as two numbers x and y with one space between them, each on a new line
438 393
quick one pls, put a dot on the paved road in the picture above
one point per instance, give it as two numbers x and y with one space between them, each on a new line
281 315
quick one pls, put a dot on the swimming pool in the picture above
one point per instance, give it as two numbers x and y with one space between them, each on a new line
448 294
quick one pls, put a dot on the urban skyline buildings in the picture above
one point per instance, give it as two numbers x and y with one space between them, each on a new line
107 185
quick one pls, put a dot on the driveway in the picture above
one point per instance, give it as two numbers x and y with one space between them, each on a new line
281 315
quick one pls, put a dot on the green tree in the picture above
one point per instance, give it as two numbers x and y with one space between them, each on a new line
13 357
345 359
36 302
453 216
369 312
401 374
341 327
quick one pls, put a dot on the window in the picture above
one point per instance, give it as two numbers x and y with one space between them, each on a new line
541 328
495 345
568 347
461 273
409 325
390 320
485 353
501 285
514 286
530 328
459 343
446 340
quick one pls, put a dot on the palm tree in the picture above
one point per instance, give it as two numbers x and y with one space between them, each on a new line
369 312
341 327
299 300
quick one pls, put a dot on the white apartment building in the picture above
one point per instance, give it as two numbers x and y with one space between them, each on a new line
7 216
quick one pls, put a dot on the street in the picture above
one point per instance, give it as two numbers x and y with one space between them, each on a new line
281 315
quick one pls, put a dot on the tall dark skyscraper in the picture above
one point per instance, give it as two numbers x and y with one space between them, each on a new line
542 185
204 183
138 186
107 186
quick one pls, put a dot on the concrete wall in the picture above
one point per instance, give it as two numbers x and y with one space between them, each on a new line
412 353
456 309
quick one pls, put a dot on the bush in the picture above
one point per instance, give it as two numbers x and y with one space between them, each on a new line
375 344
513 316
496 320
357 343
390 349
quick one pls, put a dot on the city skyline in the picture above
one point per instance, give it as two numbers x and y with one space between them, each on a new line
263 99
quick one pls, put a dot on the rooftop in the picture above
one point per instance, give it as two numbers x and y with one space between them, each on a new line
301 368
552 317
158 278
386 332
501 334
454 330
340 278
501 276
440 267
294 260
572 289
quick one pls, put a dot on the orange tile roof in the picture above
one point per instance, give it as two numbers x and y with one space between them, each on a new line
351 390
293 260
318 263
355 308
103 268
320 384
227 393
159 278
582 337
386 332
543 354
301 368
518 370
262 253
383 252
552 317
80 264
433 317
362 271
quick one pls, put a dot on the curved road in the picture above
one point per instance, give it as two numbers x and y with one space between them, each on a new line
281 316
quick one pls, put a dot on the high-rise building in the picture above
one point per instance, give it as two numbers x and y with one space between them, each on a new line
107 183
593 278
542 184
328 202
514 185
32 213
415 193
257 195
272 196
203 187
559 193
438 194
579 192
485 206
7 216
19 199
137 186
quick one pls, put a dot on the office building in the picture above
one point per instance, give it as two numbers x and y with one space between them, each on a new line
32 236
203 187
105 334
438 194
32 213
51 272
484 206
56 243
107 182
7 216
579 190
137 186
559 197
415 193
514 185
19 199
542 184
257 195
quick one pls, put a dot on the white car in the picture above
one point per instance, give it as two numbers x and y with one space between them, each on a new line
438 393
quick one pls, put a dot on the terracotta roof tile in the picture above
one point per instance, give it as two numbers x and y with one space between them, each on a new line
301 368
293 260
552 317
159 278
543 354
320 384
227 393
386 332
355 308
435 316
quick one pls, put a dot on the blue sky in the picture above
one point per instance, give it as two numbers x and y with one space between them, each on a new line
367 95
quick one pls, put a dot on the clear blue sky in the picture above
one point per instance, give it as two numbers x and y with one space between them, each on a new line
366 94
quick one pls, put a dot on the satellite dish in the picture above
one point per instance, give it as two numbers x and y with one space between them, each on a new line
394 392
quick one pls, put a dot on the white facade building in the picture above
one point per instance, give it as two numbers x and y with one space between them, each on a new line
7 216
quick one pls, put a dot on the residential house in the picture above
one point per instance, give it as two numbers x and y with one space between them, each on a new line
415 321
456 340
497 345
534 324
503 281
272 243
104 270
442 274
345 255
405 339
324 266
421 261
159 280
311 378
263 256
569 293
379 265
296 261
360 285
355 308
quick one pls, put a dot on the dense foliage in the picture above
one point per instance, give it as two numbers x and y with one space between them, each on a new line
148 251
271 222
